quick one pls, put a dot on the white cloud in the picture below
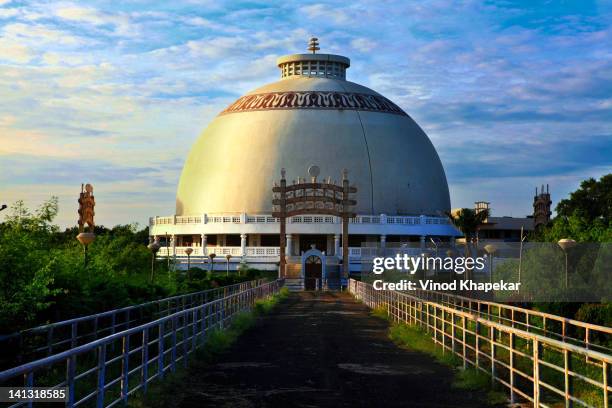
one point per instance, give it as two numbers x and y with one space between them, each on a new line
12 51
36 35
8 12
323 12
363 44
92 16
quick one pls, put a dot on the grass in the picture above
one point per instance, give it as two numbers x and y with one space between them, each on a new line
263 306
168 392
413 338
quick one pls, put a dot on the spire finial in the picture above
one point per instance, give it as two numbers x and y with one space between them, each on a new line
313 45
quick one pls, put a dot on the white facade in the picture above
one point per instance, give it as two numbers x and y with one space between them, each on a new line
377 228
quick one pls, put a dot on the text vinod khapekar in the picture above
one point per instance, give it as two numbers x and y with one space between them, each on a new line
458 265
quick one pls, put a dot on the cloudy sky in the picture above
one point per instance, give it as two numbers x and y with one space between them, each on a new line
513 94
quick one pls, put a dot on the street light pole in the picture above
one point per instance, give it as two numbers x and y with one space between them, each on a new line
227 258
188 251
212 262
167 251
154 247
566 244
523 237
490 249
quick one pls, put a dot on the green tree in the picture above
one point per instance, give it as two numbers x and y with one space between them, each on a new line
592 201
26 270
468 221
585 216
43 278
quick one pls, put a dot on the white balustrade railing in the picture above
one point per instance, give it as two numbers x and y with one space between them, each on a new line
263 251
300 219
370 252
256 252
218 251
222 251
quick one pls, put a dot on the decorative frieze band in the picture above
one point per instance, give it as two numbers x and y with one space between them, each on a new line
314 100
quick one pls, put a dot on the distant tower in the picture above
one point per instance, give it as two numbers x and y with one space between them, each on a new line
541 208
481 205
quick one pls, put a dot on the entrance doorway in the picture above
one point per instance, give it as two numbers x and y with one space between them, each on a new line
312 272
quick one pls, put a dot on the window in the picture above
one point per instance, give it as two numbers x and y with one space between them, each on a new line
313 259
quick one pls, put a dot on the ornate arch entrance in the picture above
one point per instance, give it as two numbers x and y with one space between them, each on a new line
313 269
313 197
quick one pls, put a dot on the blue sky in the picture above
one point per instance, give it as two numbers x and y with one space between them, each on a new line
513 94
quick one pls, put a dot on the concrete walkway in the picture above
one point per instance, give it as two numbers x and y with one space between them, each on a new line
322 350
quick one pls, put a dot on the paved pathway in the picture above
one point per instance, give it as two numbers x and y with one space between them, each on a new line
320 350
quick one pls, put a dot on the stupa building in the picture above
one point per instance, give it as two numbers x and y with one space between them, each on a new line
311 117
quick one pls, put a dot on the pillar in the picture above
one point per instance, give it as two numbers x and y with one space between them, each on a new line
173 240
243 244
423 241
289 247
383 244
204 243
337 246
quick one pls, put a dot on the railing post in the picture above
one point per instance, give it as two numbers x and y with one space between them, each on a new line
73 335
145 359
567 378
70 373
463 341
101 376
95 330
453 332
50 341
29 383
435 324
125 369
173 352
605 383
443 330
194 330
492 354
477 340
511 362
112 329
204 322
160 351
536 373
185 332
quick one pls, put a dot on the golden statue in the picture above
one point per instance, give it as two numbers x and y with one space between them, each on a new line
86 208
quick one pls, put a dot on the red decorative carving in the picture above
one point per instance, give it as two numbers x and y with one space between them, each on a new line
314 100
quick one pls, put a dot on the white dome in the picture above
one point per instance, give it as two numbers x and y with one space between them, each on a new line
320 120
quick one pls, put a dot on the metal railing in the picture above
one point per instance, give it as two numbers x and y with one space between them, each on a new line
590 336
539 369
51 338
105 372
